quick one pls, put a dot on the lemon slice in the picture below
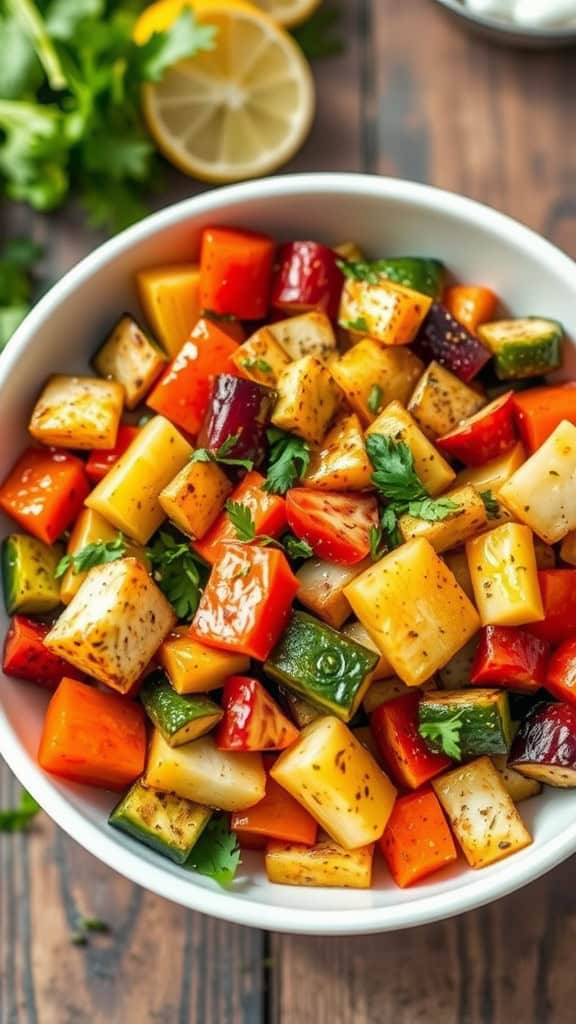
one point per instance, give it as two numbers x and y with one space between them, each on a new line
289 13
238 111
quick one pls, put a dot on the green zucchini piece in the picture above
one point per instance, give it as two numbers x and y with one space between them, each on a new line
28 574
167 823
482 717
422 275
525 347
331 671
180 718
131 357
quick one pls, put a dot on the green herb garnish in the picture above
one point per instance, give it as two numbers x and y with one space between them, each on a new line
87 925
17 819
222 454
444 735
242 520
217 853
490 504
359 324
256 363
374 402
178 572
17 259
320 35
288 460
296 548
98 553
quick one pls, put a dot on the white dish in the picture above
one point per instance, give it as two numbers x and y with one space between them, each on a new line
386 217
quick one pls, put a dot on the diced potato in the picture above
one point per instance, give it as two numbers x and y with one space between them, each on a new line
128 496
308 334
481 813
541 492
457 562
338 782
356 631
130 357
504 576
414 610
198 771
261 358
518 787
545 554
441 400
170 298
114 624
192 667
341 462
324 864
349 251
456 674
78 412
493 475
372 376
308 398
90 528
468 519
435 473
387 312
321 589
194 499
381 691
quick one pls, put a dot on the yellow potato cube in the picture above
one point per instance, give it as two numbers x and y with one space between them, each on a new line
541 492
192 667
505 576
78 412
387 312
467 519
518 787
194 499
198 771
308 334
324 864
170 298
131 357
308 398
372 376
341 462
441 400
493 475
435 473
261 358
88 529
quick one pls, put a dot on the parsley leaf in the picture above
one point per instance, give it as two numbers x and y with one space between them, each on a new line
394 474
374 402
444 735
296 548
241 518
359 324
217 853
99 553
377 542
164 49
288 461
491 505
178 572
85 926
256 363
17 259
432 509
221 454
17 819
319 36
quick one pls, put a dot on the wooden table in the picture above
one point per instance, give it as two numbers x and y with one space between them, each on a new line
411 97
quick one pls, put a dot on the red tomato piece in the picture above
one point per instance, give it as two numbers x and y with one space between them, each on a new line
236 272
511 657
561 675
183 392
417 840
335 525
277 816
26 657
247 601
252 719
470 305
268 513
484 436
404 752
558 589
100 462
307 278
538 412
45 491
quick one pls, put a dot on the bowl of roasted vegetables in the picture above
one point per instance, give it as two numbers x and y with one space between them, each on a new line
288 487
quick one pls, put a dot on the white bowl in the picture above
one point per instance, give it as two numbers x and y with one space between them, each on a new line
61 333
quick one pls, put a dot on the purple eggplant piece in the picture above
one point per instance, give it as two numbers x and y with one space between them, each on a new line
238 408
545 746
442 338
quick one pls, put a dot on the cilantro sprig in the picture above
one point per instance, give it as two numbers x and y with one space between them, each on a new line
222 454
242 520
289 458
256 363
17 260
17 819
490 504
178 572
217 853
98 553
445 735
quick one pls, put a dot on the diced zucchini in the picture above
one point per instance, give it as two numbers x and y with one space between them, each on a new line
200 772
517 786
321 589
541 492
308 398
493 475
28 575
132 358
440 401
328 669
88 529
299 709
308 334
467 519
261 358
341 462
78 412
331 774
456 674
194 499
170 297
180 719
372 376
381 691
504 576
356 631
114 624
168 824
192 667
387 312
481 813
435 473
421 274
483 718
324 864
528 347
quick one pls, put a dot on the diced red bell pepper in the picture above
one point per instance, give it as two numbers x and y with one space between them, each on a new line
236 272
277 816
484 436
561 675
26 657
417 840
183 392
100 462
252 719
268 514
337 525
404 752
470 305
308 278
511 657
247 601
45 491
538 412
444 339
558 589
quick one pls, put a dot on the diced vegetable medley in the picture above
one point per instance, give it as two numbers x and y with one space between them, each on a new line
298 565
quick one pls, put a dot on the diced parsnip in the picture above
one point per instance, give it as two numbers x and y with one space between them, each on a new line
341 462
505 577
78 412
349 251
130 357
567 550
194 499
171 302
413 608
372 376
468 519
493 475
541 492
481 813
128 496
200 772
114 624
456 674
435 473
356 631
441 400
381 691
545 554
387 312
324 864
260 358
90 528
321 589
194 668
457 562
518 787
308 334
338 782
308 398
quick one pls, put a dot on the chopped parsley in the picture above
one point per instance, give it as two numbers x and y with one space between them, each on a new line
222 454
256 363
178 572
374 402
99 553
491 505
288 460
444 735
217 853
17 819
